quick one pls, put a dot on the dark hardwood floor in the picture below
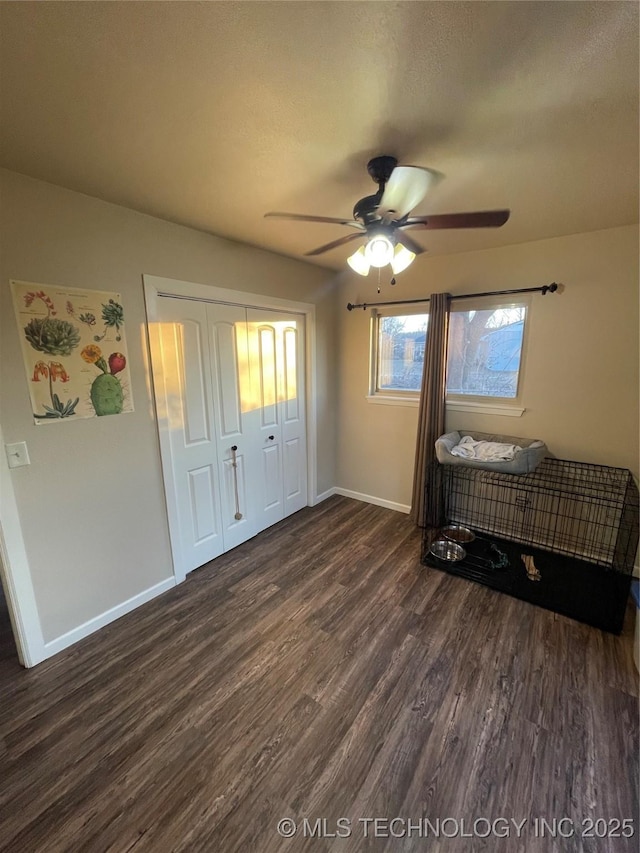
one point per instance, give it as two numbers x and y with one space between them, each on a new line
319 671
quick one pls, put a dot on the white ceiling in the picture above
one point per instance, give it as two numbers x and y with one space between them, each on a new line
211 114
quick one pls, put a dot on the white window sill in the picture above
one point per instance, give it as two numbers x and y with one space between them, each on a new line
475 407
504 410
389 400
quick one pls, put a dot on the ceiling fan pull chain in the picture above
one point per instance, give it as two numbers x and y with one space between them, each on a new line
379 271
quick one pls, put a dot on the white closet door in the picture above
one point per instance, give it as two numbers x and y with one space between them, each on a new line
276 357
234 422
184 396
229 384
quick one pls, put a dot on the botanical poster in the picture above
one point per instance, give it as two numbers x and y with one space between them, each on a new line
74 350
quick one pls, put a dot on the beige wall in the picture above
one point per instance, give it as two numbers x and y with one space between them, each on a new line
91 503
581 373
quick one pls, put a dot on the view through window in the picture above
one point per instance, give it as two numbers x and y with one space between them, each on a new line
401 342
485 348
485 351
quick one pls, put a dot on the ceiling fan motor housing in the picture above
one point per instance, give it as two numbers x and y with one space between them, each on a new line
380 169
366 209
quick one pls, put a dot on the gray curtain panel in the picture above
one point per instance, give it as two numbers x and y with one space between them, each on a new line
425 509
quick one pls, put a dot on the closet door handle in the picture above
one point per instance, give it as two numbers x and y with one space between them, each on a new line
271 437
234 466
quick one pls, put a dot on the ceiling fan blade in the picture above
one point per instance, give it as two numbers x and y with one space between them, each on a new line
410 244
340 242
480 219
406 188
301 217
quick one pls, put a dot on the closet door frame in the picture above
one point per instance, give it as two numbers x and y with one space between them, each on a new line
156 287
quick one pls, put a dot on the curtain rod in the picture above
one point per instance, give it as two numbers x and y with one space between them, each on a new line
547 288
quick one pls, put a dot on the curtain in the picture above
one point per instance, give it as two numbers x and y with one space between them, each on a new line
426 503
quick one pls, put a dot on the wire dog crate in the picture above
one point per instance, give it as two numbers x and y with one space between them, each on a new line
564 536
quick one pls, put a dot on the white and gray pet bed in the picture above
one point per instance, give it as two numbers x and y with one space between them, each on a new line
526 459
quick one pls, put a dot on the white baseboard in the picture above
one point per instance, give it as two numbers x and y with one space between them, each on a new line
371 499
54 646
323 496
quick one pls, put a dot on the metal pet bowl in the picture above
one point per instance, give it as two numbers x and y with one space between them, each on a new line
458 533
450 552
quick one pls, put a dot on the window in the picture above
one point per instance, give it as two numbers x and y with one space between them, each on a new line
400 352
485 348
485 353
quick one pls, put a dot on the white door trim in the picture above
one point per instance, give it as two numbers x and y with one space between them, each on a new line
156 286
16 575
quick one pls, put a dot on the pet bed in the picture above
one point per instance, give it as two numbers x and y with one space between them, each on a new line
525 460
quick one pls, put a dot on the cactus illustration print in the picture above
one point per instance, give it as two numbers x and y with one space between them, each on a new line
76 367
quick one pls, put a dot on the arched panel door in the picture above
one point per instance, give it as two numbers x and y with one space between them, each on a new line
184 397
276 358
237 457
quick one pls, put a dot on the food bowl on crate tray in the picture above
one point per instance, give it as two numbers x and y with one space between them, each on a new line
458 533
448 551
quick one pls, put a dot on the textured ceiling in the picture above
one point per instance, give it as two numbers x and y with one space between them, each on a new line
211 114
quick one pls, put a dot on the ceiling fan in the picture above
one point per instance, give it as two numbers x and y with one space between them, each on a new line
384 218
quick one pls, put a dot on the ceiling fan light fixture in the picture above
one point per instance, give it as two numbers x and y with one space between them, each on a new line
358 262
379 251
402 258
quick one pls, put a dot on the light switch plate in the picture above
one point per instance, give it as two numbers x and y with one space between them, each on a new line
17 454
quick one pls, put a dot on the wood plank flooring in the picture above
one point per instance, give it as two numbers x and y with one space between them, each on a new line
319 671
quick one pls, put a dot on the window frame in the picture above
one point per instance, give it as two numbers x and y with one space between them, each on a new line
505 406
401 397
